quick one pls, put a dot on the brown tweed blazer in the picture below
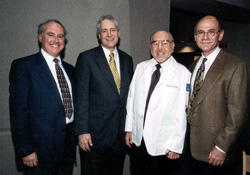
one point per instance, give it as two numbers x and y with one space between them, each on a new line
219 109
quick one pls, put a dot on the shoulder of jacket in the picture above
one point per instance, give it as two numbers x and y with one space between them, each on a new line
26 59
123 53
90 51
232 58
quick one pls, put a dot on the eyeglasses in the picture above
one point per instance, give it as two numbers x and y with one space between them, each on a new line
164 43
210 33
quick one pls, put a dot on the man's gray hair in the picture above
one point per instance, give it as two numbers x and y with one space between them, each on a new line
41 27
102 18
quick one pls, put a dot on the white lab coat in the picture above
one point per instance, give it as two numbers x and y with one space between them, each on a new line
165 123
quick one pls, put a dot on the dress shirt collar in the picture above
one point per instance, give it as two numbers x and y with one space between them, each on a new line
211 57
49 59
107 52
166 65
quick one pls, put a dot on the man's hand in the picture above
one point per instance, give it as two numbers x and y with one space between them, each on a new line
216 157
172 155
128 139
85 142
30 160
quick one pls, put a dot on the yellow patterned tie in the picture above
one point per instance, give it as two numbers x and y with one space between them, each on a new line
114 71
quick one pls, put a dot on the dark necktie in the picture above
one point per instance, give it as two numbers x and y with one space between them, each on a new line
154 80
197 86
66 97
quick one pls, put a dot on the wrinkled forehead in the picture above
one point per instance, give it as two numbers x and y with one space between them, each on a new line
207 23
53 26
106 23
162 35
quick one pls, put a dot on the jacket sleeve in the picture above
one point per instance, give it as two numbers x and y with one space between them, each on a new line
82 76
130 105
19 108
237 95
179 132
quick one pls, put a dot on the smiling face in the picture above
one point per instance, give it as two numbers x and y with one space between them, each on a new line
52 39
208 35
109 34
162 46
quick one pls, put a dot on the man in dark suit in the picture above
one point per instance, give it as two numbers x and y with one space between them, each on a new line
41 106
103 75
217 103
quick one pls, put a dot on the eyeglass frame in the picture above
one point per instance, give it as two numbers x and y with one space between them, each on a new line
210 33
164 43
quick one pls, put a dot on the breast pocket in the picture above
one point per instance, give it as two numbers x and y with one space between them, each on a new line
171 91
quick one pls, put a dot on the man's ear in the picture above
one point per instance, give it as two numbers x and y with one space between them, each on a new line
172 45
221 34
40 37
118 33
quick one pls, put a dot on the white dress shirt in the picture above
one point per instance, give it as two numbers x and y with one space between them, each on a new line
49 59
116 57
210 59
165 123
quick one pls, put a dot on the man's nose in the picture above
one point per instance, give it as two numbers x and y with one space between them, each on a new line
160 45
109 32
205 35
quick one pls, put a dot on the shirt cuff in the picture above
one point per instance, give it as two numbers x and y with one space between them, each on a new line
220 149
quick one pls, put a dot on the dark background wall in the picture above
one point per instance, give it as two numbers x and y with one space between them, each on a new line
234 14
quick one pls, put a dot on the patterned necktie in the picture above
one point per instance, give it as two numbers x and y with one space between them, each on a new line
66 97
154 80
197 86
114 71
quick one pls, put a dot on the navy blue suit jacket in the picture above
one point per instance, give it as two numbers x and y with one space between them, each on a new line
100 110
36 109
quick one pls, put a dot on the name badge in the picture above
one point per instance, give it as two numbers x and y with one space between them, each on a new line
188 87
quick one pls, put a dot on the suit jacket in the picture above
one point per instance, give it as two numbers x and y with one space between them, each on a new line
100 110
219 109
36 109
165 123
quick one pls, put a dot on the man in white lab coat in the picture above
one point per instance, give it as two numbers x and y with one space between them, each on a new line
156 119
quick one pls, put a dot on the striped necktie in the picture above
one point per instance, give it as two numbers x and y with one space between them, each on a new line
66 97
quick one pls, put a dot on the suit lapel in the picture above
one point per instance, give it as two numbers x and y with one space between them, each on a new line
46 76
168 72
104 67
212 76
70 74
123 71
147 72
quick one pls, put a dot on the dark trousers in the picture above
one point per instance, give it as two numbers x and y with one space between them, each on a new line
62 167
106 162
141 163
196 167
191 166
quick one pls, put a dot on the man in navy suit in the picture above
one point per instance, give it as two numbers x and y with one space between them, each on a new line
101 95
41 107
